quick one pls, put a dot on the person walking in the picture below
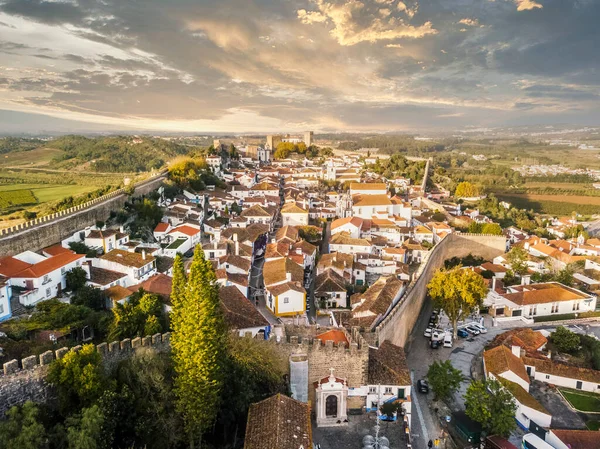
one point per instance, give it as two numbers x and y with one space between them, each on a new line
430 444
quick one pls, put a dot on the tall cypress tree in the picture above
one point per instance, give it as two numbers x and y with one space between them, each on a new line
198 344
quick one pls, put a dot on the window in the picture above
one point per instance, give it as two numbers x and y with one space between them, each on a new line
46 279
576 306
554 308
388 390
1 309
63 270
373 390
48 293
286 300
547 376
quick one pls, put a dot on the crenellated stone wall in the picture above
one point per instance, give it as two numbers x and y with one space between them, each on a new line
48 230
398 324
26 380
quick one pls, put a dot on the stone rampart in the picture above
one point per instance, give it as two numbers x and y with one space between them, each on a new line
26 380
48 230
398 324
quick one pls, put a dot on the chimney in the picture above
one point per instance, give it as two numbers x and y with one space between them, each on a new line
494 284
516 350
525 279
288 277
299 251
144 254
273 241
235 237
215 244
237 248
121 229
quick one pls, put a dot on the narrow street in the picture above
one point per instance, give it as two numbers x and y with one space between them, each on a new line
256 283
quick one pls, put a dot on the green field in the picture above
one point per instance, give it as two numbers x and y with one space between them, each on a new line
32 158
554 204
17 197
20 195
581 400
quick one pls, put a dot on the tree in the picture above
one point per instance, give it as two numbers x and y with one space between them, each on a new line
444 379
466 190
488 403
491 229
197 344
78 378
565 340
141 314
84 432
22 428
76 278
389 409
517 258
91 297
457 292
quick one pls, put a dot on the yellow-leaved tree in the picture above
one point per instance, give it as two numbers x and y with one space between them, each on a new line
458 292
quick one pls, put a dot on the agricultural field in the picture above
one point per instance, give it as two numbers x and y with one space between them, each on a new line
16 197
34 158
554 204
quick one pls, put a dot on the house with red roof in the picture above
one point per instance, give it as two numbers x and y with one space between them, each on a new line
38 277
182 238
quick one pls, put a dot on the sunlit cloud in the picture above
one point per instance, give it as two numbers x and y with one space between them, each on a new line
526 5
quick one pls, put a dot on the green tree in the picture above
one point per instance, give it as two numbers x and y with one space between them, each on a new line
517 258
466 190
84 432
78 378
491 229
565 340
22 428
76 278
491 405
457 292
143 311
197 344
444 379
89 296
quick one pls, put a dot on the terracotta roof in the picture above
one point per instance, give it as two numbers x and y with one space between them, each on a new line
255 211
49 265
10 266
377 299
236 261
274 271
578 439
343 238
287 232
371 200
280 289
278 422
501 359
529 339
161 227
329 281
264 186
292 208
117 293
498 442
102 276
126 258
238 312
367 186
543 293
548 366
356 221
159 284
99 234
337 260
522 395
494 268
185 229
307 248
387 365
280 249
57 249
335 335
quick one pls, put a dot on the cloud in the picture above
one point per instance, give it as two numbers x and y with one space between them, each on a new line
394 46
527 5
310 17
410 12
469 22
355 22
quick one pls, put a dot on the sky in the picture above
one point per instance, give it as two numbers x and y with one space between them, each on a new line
283 65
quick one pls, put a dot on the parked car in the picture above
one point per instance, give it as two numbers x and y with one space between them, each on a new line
480 327
435 344
448 340
422 386
462 333
437 334
428 332
472 330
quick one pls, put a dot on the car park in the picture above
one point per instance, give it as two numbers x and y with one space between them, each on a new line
437 334
462 333
472 330
428 332
422 386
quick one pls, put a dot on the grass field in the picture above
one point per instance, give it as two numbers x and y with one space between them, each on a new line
581 400
554 204
49 192
33 158
17 197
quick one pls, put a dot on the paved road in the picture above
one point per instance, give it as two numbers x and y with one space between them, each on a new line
256 282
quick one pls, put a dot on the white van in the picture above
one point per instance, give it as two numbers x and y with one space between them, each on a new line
448 340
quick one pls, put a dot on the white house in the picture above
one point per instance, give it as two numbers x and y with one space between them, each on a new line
561 375
182 239
358 188
239 314
107 239
351 225
5 310
344 243
294 215
257 214
40 277
369 206
138 266
287 299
